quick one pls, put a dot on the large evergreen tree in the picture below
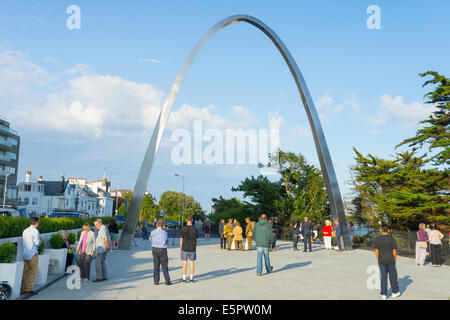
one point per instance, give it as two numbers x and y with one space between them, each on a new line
435 130
409 188
399 192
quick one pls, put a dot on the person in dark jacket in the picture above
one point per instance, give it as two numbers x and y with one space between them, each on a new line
339 234
295 234
276 233
66 245
223 240
307 232
263 235
113 230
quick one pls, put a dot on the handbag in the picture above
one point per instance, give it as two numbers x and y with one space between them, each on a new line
333 234
422 244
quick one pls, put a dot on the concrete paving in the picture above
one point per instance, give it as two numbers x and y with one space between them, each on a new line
222 274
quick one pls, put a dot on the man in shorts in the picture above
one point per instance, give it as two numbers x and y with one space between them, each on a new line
188 245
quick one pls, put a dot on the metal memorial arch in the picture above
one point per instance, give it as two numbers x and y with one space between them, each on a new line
332 187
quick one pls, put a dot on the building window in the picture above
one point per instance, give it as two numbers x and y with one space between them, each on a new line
35 201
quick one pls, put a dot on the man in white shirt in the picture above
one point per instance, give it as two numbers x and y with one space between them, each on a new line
31 241
101 248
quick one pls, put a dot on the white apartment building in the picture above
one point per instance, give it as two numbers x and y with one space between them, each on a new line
41 198
101 188
30 195
119 192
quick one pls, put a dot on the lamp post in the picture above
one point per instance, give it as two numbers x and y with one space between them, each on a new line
5 189
117 198
182 207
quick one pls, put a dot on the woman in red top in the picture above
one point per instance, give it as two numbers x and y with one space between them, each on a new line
327 233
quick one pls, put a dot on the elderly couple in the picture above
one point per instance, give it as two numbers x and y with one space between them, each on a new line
89 244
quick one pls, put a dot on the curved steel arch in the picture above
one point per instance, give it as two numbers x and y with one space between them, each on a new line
332 187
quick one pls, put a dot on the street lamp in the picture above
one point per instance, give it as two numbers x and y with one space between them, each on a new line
117 197
5 189
182 208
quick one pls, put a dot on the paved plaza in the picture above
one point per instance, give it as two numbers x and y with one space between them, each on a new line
222 274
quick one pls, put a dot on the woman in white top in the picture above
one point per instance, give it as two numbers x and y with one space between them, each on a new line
435 246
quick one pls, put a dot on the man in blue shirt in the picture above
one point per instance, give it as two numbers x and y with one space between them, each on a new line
160 240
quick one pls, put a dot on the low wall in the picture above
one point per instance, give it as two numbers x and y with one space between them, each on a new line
19 242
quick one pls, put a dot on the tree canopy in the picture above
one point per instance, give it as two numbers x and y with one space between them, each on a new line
299 192
435 131
410 188
171 202
399 192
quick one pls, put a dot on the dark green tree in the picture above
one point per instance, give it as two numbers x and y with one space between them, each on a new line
304 192
171 203
263 194
435 130
400 192
231 209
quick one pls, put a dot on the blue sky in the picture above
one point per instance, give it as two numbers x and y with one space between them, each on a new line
82 99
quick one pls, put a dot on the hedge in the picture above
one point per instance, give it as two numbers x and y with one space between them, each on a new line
14 226
7 252
72 238
56 241
105 220
41 247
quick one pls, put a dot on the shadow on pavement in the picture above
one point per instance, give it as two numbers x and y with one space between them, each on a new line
292 266
403 283
220 273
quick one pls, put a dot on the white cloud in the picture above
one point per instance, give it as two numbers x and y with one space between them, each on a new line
324 103
394 109
275 121
300 132
52 61
187 114
151 60
18 78
86 105
81 102
82 69
351 102
327 111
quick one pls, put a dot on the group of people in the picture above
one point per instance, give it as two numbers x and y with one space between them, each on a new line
429 242
89 245
188 247
232 233
261 232
308 232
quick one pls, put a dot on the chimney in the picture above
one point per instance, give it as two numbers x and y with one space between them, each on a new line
28 176
40 178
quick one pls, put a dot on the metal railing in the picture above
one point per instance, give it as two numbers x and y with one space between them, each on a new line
406 239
